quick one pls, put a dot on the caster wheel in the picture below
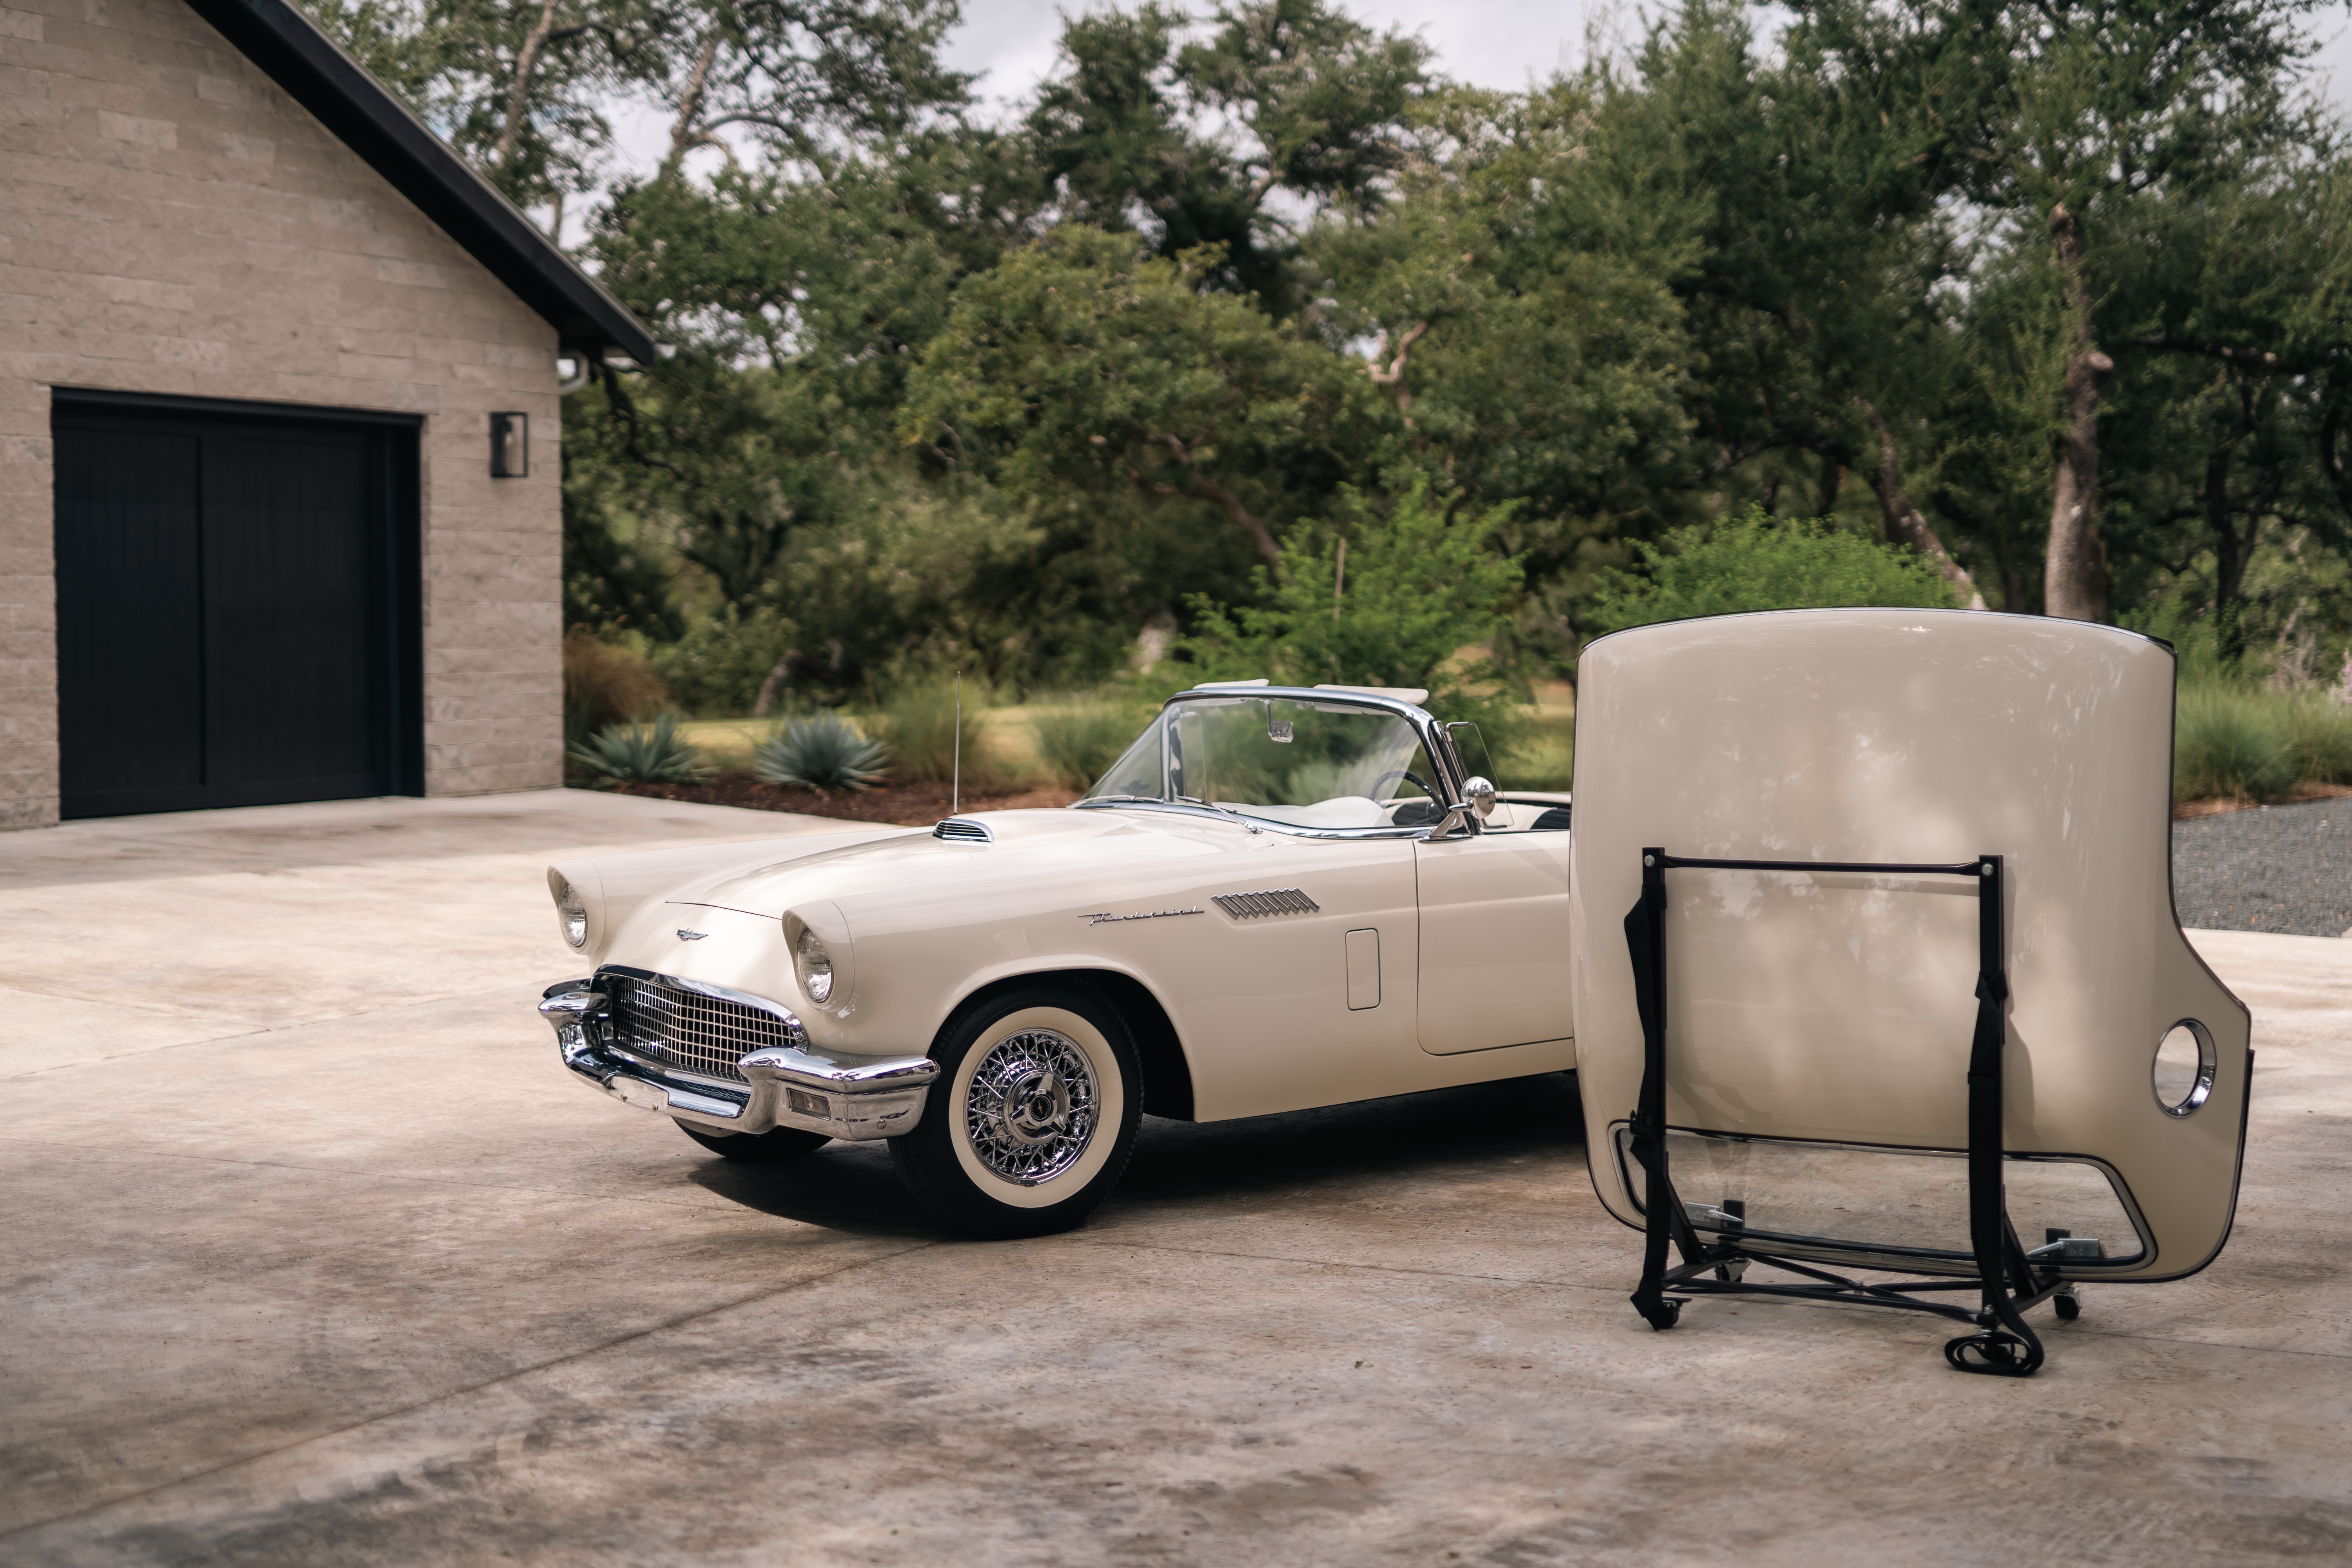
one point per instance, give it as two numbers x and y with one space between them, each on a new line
2069 1307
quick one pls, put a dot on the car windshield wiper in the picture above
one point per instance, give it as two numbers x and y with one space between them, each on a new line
1123 800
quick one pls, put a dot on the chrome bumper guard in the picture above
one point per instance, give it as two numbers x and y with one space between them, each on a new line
853 1097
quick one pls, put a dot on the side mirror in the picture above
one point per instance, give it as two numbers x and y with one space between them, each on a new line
1478 795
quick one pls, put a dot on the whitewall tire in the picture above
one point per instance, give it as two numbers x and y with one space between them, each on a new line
1032 1117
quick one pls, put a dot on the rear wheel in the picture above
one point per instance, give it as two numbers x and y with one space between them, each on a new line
773 1147
1032 1117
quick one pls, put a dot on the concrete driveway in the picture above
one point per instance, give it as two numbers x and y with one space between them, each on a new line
311 1253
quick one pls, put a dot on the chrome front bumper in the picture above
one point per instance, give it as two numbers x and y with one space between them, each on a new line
854 1097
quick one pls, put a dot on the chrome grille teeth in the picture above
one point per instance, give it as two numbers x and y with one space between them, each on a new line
707 1034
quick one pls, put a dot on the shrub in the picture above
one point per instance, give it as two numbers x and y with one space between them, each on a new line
652 753
919 724
718 667
2232 744
604 685
1079 740
825 751
1418 590
1756 563
2319 737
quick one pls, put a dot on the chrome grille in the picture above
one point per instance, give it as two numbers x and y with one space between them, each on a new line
687 1029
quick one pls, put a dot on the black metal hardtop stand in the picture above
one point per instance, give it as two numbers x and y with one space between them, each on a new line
2005 1274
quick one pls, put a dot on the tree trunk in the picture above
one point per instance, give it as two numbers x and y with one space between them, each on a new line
2331 457
687 131
1832 482
2230 556
1200 487
2074 581
519 95
1904 525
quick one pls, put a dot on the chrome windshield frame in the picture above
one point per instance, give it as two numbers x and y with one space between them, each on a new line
1434 740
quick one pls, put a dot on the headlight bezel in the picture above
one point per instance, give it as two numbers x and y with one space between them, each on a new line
571 910
817 935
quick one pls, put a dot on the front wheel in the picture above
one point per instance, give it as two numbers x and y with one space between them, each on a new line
1031 1118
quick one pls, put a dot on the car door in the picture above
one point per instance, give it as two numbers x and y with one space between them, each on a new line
1494 941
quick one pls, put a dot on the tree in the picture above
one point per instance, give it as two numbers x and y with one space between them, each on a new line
2063 113
1189 142
1377 600
1160 423
519 86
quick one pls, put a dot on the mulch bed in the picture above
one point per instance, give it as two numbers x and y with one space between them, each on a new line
2189 810
901 805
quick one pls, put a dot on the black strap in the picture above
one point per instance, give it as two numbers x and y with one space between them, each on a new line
1990 1237
1645 945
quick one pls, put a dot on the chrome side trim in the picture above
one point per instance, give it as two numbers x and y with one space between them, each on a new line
839 1094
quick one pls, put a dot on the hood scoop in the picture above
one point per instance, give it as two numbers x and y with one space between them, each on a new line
963 830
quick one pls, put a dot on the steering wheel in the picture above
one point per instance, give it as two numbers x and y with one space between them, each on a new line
1407 773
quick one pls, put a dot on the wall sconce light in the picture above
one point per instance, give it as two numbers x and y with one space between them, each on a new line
510 446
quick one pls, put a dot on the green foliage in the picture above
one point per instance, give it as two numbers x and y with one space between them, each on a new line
2232 741
920 722
1416 592
1154 426
722 664
954 389
605 684
1280 99
2228 743
1754 563
2319 737
1077 739
822 751
649 753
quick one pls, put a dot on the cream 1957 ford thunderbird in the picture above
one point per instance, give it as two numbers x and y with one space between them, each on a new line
1278 898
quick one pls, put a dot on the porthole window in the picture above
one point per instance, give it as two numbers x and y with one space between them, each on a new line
2184 1067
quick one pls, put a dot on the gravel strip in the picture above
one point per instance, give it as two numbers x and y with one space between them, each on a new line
2277 869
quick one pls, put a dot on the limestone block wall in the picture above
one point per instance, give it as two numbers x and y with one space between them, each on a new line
172 222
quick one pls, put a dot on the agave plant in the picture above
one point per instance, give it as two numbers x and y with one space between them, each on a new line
824 751
652 753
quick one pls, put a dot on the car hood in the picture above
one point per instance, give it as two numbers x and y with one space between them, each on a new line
1054 844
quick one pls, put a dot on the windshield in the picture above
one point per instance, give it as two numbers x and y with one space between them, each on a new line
1280 759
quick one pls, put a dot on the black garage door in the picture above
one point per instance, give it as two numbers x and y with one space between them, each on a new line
236 607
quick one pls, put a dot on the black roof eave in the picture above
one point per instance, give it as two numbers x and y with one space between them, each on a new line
377 126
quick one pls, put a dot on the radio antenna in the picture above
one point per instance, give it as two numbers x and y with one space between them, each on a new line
955 790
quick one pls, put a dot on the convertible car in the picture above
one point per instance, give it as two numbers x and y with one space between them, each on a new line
1278 898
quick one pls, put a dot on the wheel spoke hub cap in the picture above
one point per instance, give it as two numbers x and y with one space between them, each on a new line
1030 1113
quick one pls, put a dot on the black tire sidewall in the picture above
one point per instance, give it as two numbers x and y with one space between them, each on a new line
927 1157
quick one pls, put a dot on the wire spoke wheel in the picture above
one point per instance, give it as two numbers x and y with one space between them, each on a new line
1032 1117
1030 1111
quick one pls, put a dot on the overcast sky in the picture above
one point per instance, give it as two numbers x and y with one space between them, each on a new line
1490 43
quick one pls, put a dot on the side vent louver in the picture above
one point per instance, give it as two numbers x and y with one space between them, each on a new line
963 830
1273 902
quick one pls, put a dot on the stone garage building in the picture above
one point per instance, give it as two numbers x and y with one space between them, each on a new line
280 381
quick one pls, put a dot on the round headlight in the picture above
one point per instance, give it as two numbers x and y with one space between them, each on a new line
814 965
571 913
